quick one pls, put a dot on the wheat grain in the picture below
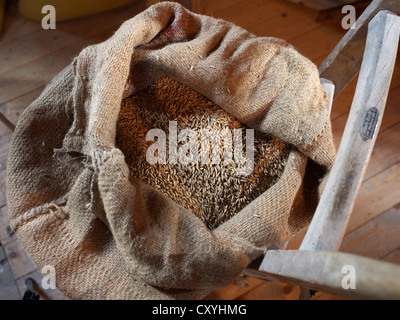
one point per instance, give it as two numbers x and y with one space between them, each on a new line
213 192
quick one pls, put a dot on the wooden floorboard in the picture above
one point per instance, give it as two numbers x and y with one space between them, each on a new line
7 235
20 263
212 8
272 291
292 22
239 287
29 60
46 57
34 45
393 256
376 196
8 285
376 238
14 25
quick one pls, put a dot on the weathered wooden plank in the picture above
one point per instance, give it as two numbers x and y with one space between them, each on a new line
338 125
326 296
332 215
344 62
3 178
15 25
374 279
324 4
3 161
7 235
317 44
247 14
392 111
292 21
11 110
20 263
333 17
6 122
5 139
329 88
341 107
386 152
41 42
36 74
32 47
295 242
240 286
376 195
212 7
372 239
290 24
8 286
393 256
376 238
14 108
342 103
272 291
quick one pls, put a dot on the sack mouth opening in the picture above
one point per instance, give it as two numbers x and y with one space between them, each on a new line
181 143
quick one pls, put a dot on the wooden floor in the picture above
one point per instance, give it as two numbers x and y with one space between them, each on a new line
30 57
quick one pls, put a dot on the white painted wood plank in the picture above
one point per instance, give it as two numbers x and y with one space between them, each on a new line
324 271
329 222
329 87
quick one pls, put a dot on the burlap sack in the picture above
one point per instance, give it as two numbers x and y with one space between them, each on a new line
70 197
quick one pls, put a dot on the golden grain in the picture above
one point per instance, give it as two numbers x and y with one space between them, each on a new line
213 192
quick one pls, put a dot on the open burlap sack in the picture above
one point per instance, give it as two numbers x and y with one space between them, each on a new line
73 203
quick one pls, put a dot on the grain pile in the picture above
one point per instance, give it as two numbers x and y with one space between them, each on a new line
214 192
